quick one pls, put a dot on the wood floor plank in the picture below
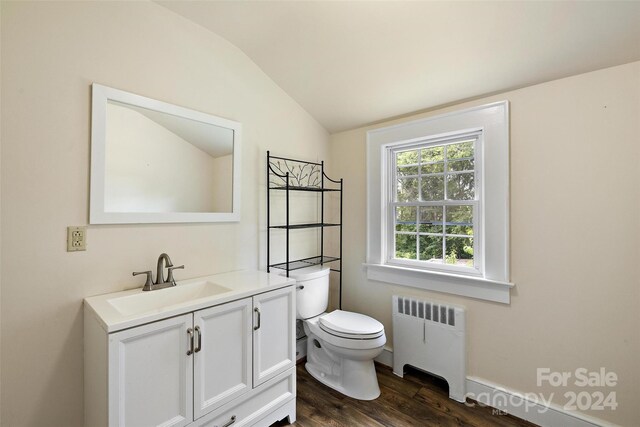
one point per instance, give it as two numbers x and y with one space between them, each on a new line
422 414
468 414
387 378
417 400
385 415
377 413
344 412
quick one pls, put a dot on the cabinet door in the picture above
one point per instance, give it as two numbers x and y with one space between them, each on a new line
274 334
151 375
222 359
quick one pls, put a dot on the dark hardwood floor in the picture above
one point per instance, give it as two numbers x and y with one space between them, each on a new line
418 399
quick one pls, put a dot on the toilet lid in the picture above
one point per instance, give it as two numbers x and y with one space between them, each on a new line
309 273
348 324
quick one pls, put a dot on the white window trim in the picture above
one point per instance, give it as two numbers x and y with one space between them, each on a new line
493 121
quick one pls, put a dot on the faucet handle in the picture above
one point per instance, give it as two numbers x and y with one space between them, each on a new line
149 283
170 279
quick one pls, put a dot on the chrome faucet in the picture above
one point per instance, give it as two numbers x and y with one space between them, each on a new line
160 283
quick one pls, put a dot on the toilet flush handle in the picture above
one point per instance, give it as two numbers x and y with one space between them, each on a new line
301 287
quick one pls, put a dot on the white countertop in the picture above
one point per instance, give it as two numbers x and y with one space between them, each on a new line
240 284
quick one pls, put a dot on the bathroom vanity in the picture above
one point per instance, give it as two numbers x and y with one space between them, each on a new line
213 351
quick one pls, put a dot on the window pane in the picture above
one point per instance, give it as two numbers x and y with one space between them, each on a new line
460 165
431 219
457 151
433 168
406 246
407 170
460 186
431 248
407 189
407 158
435 154
460 220
435 174
406 218
459 251
432 188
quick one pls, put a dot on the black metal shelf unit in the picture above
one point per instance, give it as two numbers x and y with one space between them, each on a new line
291 175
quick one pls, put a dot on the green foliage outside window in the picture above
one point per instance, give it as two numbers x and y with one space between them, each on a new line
429 165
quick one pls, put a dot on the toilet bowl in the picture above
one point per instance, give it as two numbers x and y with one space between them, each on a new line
341 345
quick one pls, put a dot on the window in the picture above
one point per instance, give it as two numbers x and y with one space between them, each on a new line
438 203
433 204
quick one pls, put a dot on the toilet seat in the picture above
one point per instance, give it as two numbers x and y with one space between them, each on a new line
353 342
349 325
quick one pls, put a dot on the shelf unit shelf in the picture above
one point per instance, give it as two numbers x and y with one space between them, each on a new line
291 175
305 262
314 189
299 226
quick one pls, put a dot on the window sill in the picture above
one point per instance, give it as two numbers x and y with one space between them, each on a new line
456 284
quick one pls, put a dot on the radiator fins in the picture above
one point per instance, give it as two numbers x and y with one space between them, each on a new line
429 311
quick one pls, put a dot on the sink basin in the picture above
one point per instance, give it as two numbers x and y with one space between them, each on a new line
160 299
127 309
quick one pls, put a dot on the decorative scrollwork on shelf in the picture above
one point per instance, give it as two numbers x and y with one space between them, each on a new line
301 174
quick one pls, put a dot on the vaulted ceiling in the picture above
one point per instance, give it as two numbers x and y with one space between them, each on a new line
350 63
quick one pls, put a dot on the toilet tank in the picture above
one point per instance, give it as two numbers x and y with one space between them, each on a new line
312 290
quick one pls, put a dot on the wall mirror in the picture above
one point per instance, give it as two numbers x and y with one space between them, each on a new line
154 162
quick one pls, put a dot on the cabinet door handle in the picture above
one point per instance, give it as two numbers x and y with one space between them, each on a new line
257 310
190 333
199 345
231 421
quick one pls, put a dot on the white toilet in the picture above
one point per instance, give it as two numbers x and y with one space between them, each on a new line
341 345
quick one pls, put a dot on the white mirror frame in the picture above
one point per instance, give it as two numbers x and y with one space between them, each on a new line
97 215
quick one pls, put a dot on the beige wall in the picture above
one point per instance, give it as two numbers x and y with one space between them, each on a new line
575 224
51 53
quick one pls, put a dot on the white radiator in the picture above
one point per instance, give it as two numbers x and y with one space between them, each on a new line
431 337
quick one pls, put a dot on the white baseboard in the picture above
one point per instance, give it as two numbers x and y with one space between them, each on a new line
516 404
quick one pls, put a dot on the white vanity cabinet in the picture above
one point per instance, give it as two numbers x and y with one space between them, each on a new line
274 338
149 374
222 357
229 364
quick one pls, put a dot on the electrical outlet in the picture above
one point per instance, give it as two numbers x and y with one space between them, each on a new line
76 239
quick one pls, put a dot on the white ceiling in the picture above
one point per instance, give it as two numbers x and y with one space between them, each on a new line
350 63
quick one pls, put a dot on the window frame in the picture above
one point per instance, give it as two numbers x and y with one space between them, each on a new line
391 203
492 283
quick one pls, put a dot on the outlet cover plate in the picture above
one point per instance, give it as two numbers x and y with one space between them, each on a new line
76 239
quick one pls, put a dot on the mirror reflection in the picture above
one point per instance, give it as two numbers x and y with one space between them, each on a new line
159 162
